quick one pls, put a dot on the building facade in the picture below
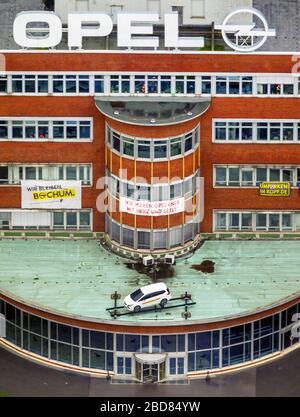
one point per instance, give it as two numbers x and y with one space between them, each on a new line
139 130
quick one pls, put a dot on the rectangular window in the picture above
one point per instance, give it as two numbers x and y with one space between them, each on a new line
72 129
247 85
152 84
99 84
262 89
143 240
140 84
58 130
247 131
144 149
234 85
262 131
176 144
160 149
234 131
234 177
261 221
165 84
3 84
234 221
84 84
261 175
128 146
58 84
247 177
274 223
221 85
43 82
17 130
246 221
17 84
275 131
206 85
275 89
29 83
220 131
3 129
71 84
221 221
288 132
30 130
43 130
3 175
221 173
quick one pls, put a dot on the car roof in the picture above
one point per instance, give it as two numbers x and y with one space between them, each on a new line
159 286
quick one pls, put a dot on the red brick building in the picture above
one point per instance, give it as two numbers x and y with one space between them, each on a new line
232 119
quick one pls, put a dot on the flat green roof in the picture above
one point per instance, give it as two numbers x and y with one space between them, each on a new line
76 278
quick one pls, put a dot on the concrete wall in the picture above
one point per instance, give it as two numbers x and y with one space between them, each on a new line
195 11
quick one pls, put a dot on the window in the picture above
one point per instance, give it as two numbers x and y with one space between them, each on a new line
143 149
262 131
128 146
261 221
4 175
58 84
221 85
99 84
234 177
143 240
3 84
43 84
220 131
246 221
140 84
221 176
153 84
275 131
247 177
3 129
152 148
84 84
30 84
17 84
17 130
247 85
288 131
261 175
165 84
176 147
128 237
234 85
234 131
247 131
71 86
206 85
160 149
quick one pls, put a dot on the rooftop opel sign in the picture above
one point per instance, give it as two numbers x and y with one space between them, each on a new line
245 34
134 30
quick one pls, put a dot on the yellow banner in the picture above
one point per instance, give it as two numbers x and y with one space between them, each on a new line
275 189
54 195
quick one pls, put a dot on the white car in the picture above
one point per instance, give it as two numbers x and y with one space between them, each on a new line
149 296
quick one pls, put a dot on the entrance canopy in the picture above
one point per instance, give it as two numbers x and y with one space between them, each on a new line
152 111
150 358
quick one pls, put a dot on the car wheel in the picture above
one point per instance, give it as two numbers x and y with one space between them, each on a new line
163 303
137 309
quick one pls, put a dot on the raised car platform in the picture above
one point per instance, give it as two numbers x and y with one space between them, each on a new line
76 278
